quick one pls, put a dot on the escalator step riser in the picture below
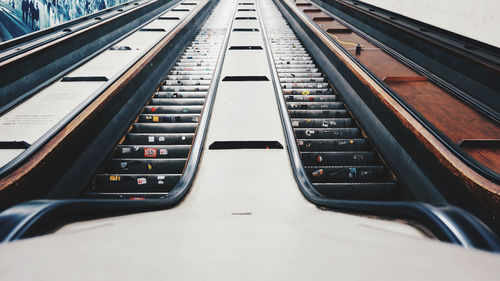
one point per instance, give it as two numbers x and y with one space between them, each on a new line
190 72
164 128
293 75
333 113
180 95
192 83
311 98
332 145
200 88
322 123
189 109
147 166
336 158
302 80
151 151
307 92
135 183
347 174
304 85
176 101
189 77
386 191
169 118
314 105
162 139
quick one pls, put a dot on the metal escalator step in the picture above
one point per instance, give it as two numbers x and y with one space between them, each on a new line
302 75
302 80
375 191
333 144
169 118
315 105
327 133
297 70
176 101
151 151
310 98
346 173
194 82
327 113
337 158
146 166
294 62
306 92
291 58
304 85
198 63
125 195
189 77
163 139
180 88
180 95
190 72
322 122
164 127
173 109
136 183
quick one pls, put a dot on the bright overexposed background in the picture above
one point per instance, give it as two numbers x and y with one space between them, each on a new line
477 19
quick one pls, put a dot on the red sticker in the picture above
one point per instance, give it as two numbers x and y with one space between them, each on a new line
149 152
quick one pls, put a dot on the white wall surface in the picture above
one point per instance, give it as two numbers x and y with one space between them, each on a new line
477 19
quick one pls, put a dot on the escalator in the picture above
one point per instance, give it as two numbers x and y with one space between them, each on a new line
150 159
336 154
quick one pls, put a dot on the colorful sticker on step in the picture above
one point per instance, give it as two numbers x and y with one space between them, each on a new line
318 173
156 118
305 92
149 152
124 165
141 181
352 172
114 178
163 151
126 150
160 180
151 139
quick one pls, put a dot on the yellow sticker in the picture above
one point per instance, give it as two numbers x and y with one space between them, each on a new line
351 141
150 167
305 92
114 178
308 120
156 118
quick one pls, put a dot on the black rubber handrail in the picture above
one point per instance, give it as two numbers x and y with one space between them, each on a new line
34 217
450 145
447 223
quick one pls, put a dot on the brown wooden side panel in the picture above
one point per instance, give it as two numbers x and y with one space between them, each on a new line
491 156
